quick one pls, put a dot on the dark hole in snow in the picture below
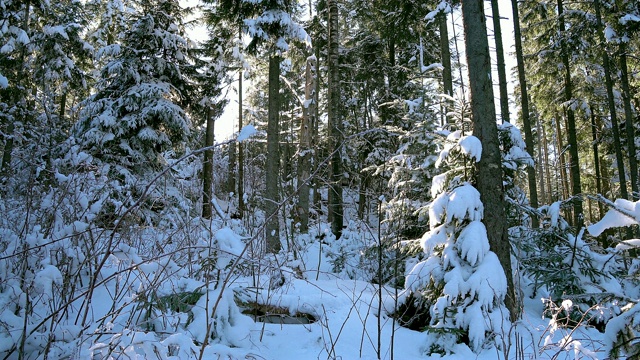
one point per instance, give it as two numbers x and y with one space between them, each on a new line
276 315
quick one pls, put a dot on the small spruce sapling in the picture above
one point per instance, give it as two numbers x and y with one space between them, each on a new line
460 280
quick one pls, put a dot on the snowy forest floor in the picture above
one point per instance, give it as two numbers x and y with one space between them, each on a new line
348 326
179 290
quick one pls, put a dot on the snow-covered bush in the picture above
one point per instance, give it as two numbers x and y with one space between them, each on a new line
460 281
622 332
561 265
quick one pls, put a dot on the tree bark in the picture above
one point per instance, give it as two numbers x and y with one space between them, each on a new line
305 150
564 182
445 58
231 171
240 150
596 160
542 161
502 73
526 119
207 177
335 124
628 116
488 169
272 168
571 122
547 167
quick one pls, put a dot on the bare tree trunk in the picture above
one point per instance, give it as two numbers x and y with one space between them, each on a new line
502 74
207 176
317 197
445 58
272 168
596 160
563 162
231 171
488 169
576 187
547 167
240 151
543 160
335 124
628 116
305 150
526 119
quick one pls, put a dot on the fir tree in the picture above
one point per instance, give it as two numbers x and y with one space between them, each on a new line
138 110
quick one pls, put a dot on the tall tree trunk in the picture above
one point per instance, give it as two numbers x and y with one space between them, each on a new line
571 122
335 123
526 119
502 73
207 178
488 169
317 196
628 116
240 150
305 150
272 168
542 161
596 159
231 171
547 167
445 58
564 182
611 101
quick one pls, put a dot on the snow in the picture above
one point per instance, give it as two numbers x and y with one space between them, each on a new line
615 218
246 132
473 242
4 82
629 18
471 146
610 34
434 66
442 7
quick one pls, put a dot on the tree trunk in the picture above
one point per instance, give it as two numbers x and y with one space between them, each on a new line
542 162
628 116
526 119
488 169
231 171
596 160
564 182
502 73
547 167
305 150
571 123
240 150
611 101
317 197
272 168
445 58
335 124
207 177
